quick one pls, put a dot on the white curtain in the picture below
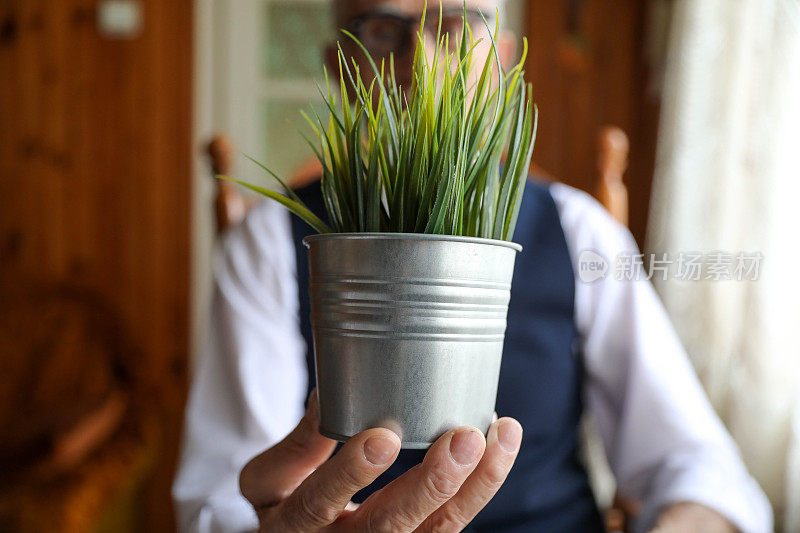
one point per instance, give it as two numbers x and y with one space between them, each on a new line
728 179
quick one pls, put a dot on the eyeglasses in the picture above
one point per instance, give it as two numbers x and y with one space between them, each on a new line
385 33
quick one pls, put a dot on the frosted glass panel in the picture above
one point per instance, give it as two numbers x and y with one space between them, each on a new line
295 37
284 147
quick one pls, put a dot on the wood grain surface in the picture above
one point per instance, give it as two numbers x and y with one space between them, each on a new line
95 174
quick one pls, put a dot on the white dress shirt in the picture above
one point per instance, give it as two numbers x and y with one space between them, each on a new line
664 442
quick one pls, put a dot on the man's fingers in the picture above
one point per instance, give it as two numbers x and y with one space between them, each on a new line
272 476
322 497
406 502
502 446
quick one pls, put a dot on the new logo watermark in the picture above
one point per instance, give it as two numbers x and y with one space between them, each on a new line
684 266
591 266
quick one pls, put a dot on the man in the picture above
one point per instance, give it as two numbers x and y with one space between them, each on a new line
608 343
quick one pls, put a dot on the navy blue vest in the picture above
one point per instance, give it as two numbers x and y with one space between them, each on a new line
540 379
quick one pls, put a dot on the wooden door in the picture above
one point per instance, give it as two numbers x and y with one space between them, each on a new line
95 175
588 66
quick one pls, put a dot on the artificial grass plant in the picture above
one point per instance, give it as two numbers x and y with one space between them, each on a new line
427 160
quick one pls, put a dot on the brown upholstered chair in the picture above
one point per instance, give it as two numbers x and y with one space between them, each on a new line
76 442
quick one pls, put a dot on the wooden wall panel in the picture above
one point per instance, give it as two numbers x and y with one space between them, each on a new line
588 69
95 144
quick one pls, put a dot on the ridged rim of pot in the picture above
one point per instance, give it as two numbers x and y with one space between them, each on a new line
410 237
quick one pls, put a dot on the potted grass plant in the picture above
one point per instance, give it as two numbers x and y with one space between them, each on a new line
410 277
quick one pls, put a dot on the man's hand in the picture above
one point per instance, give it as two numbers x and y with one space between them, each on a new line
296 486
687 517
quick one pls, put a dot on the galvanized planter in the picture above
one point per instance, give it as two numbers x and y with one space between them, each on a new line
408 331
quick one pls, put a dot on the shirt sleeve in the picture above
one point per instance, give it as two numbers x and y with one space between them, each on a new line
249 386
664 442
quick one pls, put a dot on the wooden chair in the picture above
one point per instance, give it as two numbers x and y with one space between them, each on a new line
230 205
612 161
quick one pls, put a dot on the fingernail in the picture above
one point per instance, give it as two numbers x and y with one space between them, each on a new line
313 407
379 450
509 434
465 447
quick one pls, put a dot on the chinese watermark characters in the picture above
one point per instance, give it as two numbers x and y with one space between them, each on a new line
684 266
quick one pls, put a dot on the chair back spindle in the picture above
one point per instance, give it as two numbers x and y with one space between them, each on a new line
612 161
230 206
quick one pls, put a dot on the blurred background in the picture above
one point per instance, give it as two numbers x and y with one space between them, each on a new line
108 220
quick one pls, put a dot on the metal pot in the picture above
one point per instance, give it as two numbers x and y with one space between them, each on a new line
408 331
